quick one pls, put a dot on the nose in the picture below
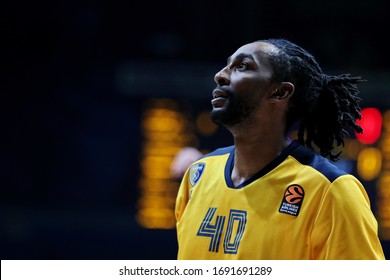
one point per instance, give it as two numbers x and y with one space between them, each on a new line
222 77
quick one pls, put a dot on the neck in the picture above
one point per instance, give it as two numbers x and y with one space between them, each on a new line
253 151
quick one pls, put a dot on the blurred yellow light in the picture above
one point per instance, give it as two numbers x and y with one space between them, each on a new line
162 124
384 232
385 143
384 182
156 150
385 212
165 131
205 125
386 120
160 112
156 218
156 161
352 148
172 136
369 163
155 201
149 184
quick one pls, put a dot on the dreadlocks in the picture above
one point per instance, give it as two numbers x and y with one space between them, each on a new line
324 106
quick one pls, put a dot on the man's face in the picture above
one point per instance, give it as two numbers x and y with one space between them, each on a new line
242 84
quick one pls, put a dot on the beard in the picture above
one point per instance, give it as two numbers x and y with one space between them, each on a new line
234 111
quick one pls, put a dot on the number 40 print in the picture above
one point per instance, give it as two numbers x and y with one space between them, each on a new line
214 231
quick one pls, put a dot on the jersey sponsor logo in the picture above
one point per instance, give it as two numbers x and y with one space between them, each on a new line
292 200
196 172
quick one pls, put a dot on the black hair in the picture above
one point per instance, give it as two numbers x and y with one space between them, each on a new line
324 106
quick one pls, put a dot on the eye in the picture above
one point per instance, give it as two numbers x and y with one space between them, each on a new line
242 66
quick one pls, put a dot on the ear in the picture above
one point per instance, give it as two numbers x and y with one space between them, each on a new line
283 91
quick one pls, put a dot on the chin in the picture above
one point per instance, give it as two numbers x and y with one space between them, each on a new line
223 118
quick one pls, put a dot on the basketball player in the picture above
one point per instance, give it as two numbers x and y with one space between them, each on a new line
269 197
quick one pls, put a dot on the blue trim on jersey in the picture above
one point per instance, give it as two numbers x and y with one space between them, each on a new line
309 157
219 152
274 163
229 169
302 154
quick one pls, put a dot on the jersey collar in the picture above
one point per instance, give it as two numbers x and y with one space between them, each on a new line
270 166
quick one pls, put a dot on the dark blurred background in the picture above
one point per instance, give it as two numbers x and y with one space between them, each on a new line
78 76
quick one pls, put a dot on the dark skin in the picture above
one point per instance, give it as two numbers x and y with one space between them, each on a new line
260 136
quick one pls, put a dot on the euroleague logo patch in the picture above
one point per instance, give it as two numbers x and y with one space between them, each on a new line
196 172
292 200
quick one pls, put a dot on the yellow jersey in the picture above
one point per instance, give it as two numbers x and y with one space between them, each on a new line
299 207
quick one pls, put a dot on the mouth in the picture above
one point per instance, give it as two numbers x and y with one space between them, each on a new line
218 93
219 98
